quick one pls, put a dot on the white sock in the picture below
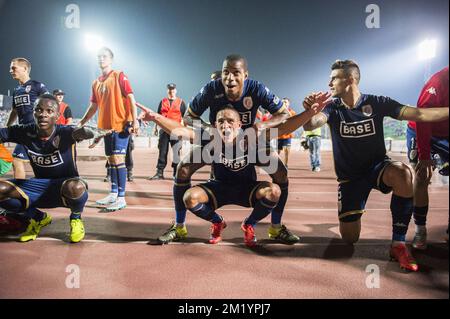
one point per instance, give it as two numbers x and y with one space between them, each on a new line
121 199
113 195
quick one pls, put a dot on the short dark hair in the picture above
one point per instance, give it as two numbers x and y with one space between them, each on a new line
108 50
350 67
46 96
235 58
23 61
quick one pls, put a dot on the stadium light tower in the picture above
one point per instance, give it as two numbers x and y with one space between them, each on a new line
426 53
427 49
92 42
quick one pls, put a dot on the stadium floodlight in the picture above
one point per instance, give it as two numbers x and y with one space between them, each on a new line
93 42
427 49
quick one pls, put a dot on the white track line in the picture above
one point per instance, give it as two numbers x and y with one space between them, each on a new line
96 241
334 192
136 207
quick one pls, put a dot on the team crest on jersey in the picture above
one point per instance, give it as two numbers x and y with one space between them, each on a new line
358 129
28 88
367 110
248 102
46 160
56 141
432 91
276 100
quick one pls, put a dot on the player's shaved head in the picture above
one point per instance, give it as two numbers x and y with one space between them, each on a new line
106 50
23 62
231 109
233 58
349 67
46 96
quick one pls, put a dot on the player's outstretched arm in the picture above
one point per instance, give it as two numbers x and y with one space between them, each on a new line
168 125
192 121
274 121
415 114
319 101
88 132
294 122
92 109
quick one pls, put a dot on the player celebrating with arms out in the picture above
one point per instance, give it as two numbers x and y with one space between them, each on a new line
234 171
234 88
52 153
356 124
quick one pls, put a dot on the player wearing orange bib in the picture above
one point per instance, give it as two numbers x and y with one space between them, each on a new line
113 97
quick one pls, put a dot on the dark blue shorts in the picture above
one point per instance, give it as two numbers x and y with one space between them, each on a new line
352 195
41 192
117 143
221 193
20 152
284 143
439 146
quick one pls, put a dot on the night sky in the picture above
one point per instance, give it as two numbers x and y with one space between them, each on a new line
289 45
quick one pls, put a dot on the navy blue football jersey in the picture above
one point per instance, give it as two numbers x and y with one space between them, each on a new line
23 99
236 164
255 94
233 168
357 134
52 158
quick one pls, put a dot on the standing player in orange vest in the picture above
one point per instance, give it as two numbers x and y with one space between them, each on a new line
113 97
171 107
65 113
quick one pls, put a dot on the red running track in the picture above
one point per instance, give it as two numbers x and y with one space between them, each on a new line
118 258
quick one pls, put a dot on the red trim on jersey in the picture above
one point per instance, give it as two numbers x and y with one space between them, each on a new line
434 94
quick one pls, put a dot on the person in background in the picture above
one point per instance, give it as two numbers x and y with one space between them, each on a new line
22 109
171 107
65 113
313 140
284 141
